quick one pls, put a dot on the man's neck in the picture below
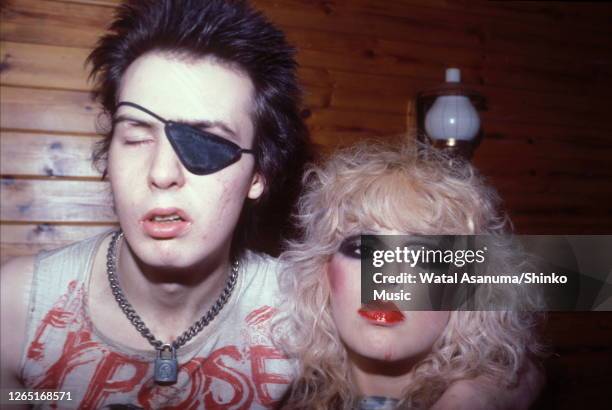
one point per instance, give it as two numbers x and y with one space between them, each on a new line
171 300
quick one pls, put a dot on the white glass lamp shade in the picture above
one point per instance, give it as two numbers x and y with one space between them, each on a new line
452 117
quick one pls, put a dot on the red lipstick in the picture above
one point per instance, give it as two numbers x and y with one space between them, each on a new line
382 313
165 223
382 316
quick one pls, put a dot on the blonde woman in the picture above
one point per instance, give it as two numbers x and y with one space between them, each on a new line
355 357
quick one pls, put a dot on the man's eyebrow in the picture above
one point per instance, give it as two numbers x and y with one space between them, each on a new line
127 117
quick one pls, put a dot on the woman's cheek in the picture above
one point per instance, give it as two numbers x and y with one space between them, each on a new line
345 284
336 277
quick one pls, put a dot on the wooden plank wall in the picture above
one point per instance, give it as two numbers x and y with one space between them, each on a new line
545 68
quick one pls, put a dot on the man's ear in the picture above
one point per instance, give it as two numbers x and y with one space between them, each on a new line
257 186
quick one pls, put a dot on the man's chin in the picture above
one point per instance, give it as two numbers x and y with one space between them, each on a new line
169 254
169 259
165 257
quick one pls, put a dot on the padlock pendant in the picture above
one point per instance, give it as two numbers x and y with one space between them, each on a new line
166 365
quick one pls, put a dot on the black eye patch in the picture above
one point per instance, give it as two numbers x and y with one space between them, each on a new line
201 152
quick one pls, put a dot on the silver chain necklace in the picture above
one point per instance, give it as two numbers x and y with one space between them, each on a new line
166 364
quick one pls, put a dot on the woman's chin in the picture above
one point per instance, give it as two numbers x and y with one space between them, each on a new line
385 352
387 349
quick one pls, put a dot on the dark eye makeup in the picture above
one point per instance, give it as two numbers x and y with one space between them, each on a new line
351 247
354 247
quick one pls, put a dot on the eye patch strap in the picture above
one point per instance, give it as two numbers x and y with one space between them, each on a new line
141 108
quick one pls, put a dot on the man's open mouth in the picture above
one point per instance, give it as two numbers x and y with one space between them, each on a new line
165 223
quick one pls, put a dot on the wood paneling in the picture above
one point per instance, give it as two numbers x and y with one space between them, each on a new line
53 22
578 367
33 154
545 69
39 200
45 66
47 110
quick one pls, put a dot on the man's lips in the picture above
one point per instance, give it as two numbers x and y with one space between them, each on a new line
384 313
165 228
166 212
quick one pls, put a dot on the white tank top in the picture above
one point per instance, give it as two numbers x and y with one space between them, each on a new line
234 365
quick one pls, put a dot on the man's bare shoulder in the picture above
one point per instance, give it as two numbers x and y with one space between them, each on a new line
18 266
15 278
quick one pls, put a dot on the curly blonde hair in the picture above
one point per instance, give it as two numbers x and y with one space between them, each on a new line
408 188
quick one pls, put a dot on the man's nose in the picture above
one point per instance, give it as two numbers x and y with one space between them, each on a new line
165 170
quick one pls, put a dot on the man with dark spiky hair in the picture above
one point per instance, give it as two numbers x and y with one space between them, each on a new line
172 309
